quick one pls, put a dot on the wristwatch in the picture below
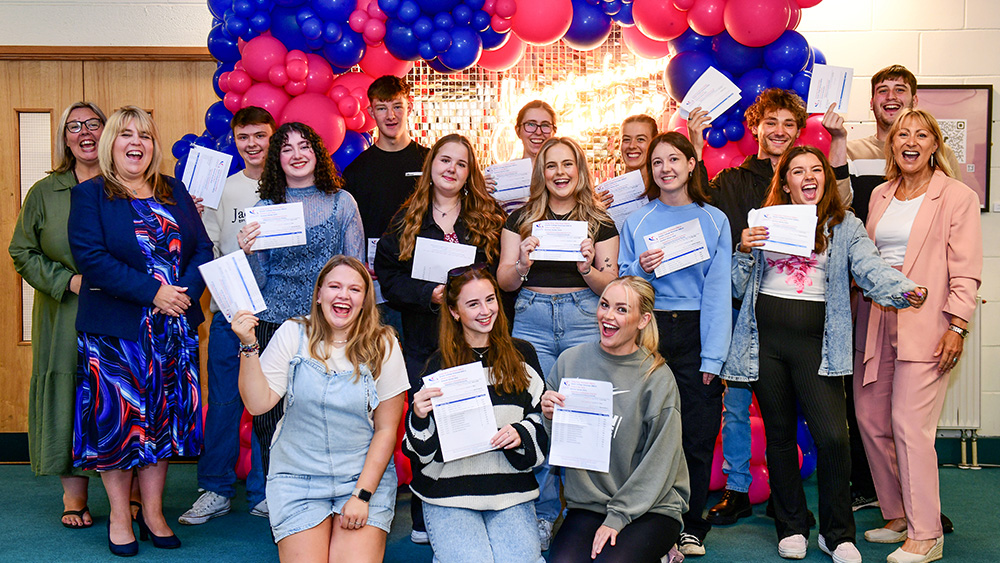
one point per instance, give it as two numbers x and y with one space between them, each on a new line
362 494
958 330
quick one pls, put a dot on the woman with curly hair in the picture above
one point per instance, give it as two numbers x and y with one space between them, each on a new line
557 301
450 204
298 169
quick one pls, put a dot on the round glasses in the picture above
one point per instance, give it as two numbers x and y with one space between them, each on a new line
545 127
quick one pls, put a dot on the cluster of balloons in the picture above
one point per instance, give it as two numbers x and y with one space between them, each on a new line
760 489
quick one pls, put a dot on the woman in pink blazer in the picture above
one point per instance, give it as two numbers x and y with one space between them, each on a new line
926 224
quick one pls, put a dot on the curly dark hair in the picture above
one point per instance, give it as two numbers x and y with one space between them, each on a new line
272 182
774 99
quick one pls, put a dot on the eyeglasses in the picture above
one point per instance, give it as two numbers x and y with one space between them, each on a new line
462 270
532 126
92 124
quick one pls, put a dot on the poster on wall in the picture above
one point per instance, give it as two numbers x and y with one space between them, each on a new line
965 113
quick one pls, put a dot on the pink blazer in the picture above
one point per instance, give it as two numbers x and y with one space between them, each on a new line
944 254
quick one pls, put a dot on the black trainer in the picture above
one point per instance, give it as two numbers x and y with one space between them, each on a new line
863 500
731 507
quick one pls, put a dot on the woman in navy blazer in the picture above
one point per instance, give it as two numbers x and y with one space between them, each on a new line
138 240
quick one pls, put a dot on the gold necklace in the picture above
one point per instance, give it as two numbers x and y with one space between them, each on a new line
908 197
445 213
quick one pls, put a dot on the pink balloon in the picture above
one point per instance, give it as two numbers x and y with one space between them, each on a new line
376 12
374 32
683 4
490 7
643 46
659 20
505 8
260 54
754 407
815 134
505 57
297 70
224 81
320 113
357 122
795 17
808 3
349 106
357 20
355 81
320 76
278 75
243 463
705 17
760 489
756 23
748 145
378 61
337 93
736 161
758 441
239 81
246 430
232 101
295 55
799 448
718 479
676 121
718 159
267 96
542 23
239 65
295 87
500 25
240 44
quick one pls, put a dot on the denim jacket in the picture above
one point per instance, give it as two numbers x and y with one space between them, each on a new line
849 252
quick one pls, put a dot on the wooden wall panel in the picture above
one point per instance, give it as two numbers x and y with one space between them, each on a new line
38 86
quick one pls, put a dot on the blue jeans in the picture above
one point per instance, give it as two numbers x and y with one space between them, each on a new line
460 535
736 437
553 323
216 471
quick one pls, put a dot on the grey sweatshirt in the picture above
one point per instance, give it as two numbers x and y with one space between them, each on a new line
647 471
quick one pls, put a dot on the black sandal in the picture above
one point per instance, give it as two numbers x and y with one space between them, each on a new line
78 513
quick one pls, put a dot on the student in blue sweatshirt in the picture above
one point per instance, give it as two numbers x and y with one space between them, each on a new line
692 308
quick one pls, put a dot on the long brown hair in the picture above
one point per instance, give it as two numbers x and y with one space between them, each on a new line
937 160
587 207
114 187
482 216
648 338
509 374
829 211
274 185
369 342
695 190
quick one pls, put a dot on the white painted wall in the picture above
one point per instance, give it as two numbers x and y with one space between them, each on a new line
941 41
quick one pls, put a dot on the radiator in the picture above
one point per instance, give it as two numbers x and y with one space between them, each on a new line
962 403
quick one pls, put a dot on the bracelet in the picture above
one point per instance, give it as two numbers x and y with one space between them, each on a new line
524 276
589 268
247 350
958 330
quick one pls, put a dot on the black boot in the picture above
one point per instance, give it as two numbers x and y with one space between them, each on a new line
732 506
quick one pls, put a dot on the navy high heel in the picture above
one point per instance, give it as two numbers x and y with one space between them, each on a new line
124 549
161 542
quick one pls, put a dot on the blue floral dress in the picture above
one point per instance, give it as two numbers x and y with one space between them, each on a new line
140 401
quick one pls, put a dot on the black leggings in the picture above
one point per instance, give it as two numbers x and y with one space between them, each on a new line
647 539
264 425
791 343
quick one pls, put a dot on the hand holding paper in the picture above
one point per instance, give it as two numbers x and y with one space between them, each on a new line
559 240
513 179
791 228
712 92
280 225
433 259
628 191
205 173
232 284
463 412
581 429
829 85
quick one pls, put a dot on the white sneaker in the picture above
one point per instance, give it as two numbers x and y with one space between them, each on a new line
793 547
846 552
419 537
544 533
260 510
208 506
689 544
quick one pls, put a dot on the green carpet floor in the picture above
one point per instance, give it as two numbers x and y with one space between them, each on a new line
30 528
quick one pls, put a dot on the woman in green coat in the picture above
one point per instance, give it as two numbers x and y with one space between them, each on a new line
40 249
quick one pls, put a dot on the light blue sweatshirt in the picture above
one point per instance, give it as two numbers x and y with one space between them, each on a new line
704 287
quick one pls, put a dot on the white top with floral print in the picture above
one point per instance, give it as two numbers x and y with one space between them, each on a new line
794 277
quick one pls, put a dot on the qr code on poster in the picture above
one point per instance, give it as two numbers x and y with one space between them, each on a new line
955 136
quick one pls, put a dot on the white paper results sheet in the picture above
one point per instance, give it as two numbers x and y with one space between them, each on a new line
628 190
463 413
432 259
712 92
559 240
513 179
280 225
581 429
683 245
232 284
791 229
829 85
205 174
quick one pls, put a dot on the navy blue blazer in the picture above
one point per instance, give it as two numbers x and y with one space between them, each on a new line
116 285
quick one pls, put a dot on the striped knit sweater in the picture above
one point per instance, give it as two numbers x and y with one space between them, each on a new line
492 480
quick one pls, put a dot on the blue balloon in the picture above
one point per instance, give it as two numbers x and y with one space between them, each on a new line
462 15
348 51
465 50
613 7
781 79
492 39
735 113
287 30
316 44
717 137
751 84
217 119
811 61
219 7
818 56
734 130
312 29
427 51
408 12
389 7
590 26
400 41
436 65
801 84
354 144
334 10
243 8
480 21
182 147
684 69
438 6
788 52
624 16
423 28
304 14
332 32
440 41
808 447
290 3
235 25
222 46
264 5
690 41
215 80
735 56
475 4
205 140
259 23
444 21
179 168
